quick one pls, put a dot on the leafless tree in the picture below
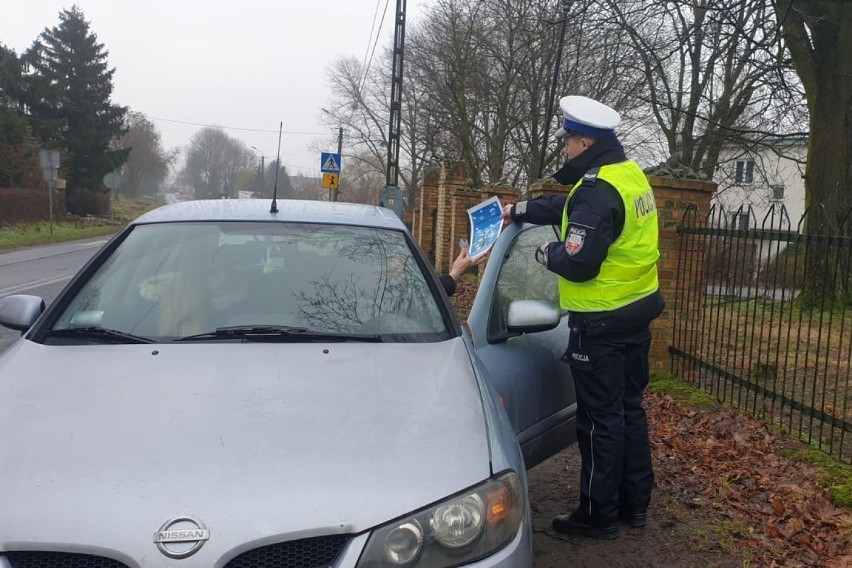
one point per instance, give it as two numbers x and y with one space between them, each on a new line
477 77
214 162
488 66
364 178
360 101
717 75
148 163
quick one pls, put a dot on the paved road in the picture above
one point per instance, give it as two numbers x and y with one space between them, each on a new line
41 271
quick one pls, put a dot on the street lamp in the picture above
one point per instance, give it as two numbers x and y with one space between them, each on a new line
262 168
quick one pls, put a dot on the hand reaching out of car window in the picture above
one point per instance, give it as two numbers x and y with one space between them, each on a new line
465 262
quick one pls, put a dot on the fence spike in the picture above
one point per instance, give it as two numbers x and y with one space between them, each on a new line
785 214
844 219
769 214
801 222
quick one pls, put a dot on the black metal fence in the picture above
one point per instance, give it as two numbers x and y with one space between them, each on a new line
762 318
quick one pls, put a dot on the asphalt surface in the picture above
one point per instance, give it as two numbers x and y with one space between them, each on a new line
41 271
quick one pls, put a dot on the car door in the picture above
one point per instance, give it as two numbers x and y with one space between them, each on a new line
535 385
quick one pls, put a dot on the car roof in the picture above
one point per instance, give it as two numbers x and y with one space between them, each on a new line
289 210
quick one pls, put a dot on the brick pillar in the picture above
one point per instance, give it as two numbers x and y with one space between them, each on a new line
682 284
423 227
506 195
547 188
450 178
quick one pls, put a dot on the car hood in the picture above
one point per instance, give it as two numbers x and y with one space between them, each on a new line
101 445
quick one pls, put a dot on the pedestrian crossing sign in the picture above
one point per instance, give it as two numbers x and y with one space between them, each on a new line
330 163
330 181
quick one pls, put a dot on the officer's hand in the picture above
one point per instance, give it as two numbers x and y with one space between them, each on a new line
507 215
541 254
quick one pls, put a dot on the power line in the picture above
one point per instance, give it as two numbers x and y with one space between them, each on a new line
369 39
300 166
234 127
375 43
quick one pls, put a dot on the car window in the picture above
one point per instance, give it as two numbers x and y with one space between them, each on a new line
173 280
521 277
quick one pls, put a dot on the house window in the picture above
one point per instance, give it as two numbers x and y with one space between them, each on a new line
777 192
739 221
745 172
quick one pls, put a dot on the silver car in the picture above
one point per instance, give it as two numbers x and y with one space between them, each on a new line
221 386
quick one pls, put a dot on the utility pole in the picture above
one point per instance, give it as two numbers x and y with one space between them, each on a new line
340 155
548 117
391 195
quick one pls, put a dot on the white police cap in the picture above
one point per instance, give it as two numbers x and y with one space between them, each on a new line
582 115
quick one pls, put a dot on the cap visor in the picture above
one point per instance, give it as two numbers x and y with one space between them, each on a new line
561 133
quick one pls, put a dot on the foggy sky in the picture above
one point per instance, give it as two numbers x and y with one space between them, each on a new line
246 64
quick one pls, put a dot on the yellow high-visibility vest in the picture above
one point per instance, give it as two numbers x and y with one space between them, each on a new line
629 271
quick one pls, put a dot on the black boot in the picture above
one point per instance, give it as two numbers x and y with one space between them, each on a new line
636 518
577 524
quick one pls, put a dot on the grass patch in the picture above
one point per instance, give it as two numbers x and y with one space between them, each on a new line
127 210
31 234
682 392
834 475
39 233
729 532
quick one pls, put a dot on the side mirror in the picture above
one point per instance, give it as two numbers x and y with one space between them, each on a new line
531 316
19 312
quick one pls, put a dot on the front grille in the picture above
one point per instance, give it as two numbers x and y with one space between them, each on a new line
319 552
60 560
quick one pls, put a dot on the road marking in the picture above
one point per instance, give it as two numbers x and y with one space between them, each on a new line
32 284
92 244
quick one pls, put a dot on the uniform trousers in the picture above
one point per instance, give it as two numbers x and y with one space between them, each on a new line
610 372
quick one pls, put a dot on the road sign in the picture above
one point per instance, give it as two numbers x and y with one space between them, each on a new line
50 168
331 181
49 163
49 159
113 180
330 163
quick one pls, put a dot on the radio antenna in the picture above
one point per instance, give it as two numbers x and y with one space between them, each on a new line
274 208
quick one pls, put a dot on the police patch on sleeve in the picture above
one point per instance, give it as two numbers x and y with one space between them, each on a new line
575 240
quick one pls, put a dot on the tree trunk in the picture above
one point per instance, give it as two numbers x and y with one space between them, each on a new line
827 174
828 182
819 37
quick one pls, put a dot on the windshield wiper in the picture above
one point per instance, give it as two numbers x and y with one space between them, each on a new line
99 333
278 333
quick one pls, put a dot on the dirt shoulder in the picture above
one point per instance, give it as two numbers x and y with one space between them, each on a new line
725 495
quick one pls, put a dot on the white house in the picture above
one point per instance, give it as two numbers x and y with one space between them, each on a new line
763 177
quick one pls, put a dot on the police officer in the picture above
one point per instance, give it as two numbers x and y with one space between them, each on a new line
606 262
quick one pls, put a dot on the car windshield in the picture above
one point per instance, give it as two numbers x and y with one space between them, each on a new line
177 280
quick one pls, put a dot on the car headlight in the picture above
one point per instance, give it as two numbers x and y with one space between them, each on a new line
458 530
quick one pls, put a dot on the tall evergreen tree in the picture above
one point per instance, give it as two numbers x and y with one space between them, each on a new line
10 76
18 149
72 82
